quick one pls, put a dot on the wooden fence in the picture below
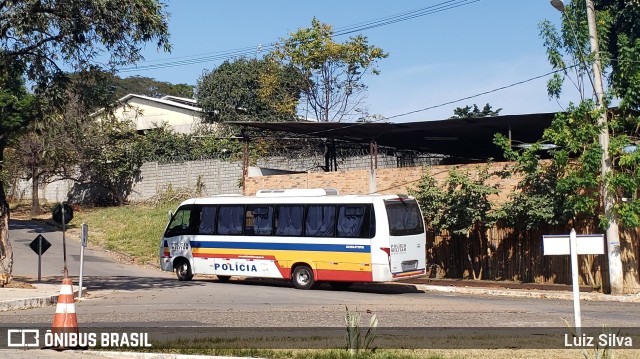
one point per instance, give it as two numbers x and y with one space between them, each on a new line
517 256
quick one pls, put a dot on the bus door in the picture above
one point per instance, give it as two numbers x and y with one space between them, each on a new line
407 239
178 236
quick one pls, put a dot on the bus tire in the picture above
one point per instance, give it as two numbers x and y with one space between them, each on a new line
340 285
183 270
302 277
223 278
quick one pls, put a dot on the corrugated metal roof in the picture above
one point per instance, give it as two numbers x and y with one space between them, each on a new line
469 138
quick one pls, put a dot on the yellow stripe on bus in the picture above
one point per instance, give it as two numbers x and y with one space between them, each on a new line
290 255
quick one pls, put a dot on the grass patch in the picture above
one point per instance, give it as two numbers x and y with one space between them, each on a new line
307 353
132 230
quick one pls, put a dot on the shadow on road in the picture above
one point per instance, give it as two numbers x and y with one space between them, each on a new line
119 282
376 288
33 226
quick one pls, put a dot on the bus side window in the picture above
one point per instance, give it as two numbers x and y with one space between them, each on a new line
372 221
320 221
350 220
207 220
180 223
230 220
289 220
259 220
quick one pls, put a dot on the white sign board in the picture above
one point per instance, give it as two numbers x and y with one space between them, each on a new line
573 245
559 244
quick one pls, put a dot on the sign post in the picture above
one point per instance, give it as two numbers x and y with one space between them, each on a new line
40 245
83 243
573 245
63 214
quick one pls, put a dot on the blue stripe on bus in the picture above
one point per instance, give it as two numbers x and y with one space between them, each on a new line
360 248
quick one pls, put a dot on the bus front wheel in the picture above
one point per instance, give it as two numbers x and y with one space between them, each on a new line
183 270
303 277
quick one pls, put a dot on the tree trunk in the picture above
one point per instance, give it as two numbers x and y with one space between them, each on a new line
481 252
471 267
6 252
117 196
35 199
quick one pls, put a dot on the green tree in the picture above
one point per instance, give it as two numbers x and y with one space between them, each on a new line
17 108
536 202
469 212
47 151
431 198
568 189
621 44
333 72
473 112
147 86
38 40
576 131
161 142
114 158
462 207
250 90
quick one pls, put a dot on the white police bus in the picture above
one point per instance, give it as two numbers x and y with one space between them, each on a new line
303 235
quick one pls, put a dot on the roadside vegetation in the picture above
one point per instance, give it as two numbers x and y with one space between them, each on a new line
132 230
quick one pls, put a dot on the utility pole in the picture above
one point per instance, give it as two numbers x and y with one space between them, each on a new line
616 278
613 236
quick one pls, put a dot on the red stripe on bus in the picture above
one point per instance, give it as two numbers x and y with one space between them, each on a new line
406 274
232 256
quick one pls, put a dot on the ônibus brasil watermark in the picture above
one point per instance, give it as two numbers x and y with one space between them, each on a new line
31 338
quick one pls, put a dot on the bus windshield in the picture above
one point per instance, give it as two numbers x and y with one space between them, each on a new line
404 217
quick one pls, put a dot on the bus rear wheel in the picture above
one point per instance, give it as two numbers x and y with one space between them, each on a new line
303 277
183 270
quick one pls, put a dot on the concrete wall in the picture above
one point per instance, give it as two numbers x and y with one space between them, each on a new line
385 181
211 176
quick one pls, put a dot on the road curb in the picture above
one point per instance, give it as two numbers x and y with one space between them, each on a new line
27 303
514 293
34 302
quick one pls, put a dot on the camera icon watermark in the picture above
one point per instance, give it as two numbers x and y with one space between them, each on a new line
23 338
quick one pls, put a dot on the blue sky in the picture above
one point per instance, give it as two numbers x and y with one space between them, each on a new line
433 59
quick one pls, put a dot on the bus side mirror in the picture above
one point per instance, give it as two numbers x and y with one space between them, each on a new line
170 215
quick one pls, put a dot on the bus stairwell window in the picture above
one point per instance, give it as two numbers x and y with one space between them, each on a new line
350 219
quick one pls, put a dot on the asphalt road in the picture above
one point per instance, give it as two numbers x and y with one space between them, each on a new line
97 262
128 295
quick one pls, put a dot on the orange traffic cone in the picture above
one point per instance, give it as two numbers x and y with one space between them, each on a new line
65 320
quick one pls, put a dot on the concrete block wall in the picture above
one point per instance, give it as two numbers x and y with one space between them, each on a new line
214 176
224 177
315 164
53 192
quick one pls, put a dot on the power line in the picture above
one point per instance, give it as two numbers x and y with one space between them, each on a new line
447 5
445 103
482 93
249 51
